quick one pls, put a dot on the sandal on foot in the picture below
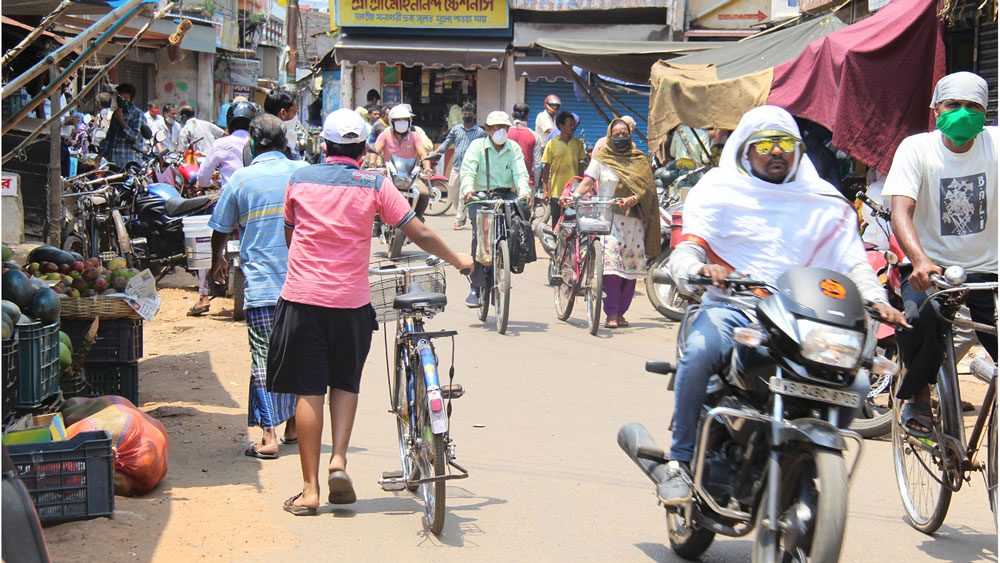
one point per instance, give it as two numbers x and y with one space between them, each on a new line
252 452
341 488
198 310
622 322
915 417
611 323
288 441
298 510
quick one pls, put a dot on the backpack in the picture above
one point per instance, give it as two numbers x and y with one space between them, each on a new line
520 239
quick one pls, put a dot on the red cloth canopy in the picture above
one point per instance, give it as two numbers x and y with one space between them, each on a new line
870 82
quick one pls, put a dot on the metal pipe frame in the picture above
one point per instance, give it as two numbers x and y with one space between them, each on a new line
72 68
90 85
70 46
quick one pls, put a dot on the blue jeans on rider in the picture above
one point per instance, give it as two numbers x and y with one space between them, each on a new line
709 347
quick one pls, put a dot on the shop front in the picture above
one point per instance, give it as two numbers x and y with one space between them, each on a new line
386 47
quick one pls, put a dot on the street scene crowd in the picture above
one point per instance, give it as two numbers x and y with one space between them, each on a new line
805 308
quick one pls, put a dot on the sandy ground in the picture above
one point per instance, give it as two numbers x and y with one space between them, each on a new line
536 429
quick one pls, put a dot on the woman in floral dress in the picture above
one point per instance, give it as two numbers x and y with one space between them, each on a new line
620 170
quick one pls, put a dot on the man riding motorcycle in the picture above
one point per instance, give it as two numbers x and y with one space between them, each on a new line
400 142
763 211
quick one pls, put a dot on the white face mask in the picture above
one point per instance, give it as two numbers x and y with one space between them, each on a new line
401 125
499 136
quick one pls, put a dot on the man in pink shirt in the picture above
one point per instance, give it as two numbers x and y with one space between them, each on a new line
323 321
401 144
521 134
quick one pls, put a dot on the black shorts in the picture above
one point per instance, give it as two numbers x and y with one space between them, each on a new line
313 348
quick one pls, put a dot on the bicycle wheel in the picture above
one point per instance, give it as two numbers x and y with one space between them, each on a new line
991 465
401 407
501 285
484 302
430 460
438 202
565 289
594 276
920 468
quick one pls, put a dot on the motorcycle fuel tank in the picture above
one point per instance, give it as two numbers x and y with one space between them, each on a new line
163 191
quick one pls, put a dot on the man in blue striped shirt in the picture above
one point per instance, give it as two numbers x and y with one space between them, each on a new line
253 200
462 135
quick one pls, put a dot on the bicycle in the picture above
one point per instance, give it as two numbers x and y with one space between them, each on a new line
493 252
929 470
417 399
578 262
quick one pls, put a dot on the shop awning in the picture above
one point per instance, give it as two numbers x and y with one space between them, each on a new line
427 52
763 51
540 68
871 82
624 60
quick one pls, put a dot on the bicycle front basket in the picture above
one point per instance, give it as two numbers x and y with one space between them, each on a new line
384 290
594 217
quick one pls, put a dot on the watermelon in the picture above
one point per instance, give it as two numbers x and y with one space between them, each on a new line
17 288
45 306
11 310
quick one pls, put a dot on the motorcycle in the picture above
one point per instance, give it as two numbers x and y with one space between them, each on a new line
403 173
660 289
773 428
186 166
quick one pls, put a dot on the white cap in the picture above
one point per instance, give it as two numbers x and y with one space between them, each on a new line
341 123
402 111
498 118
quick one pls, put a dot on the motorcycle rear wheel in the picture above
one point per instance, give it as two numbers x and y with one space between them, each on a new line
688 543
805 474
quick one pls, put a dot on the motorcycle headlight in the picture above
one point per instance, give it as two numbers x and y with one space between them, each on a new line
830 345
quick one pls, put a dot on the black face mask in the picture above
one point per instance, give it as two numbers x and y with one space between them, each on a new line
469 119
621 143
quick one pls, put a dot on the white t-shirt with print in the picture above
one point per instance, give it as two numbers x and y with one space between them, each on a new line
956 193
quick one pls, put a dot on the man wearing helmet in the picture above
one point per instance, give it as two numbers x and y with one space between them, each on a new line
544 124
226 153
400 143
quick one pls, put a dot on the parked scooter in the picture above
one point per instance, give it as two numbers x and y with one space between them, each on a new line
773 434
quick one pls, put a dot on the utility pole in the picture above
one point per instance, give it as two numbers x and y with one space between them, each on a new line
291 27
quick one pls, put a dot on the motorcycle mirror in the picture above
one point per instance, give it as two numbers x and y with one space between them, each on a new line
891 257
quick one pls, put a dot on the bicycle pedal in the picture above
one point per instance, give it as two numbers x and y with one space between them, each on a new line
386 475
452 391
392 481
393 486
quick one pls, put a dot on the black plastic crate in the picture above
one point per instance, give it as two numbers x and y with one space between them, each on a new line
38 363
111 379
68 480
118 340
9 377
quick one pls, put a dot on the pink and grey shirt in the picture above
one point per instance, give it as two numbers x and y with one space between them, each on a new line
331 208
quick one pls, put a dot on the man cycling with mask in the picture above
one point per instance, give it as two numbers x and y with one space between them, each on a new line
763 211
400 144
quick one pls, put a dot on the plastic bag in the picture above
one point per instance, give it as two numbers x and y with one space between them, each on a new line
486 231
140 441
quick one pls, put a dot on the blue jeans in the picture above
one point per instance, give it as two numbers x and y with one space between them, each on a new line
709 346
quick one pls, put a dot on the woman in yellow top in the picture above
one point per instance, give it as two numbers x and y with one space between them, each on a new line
561 160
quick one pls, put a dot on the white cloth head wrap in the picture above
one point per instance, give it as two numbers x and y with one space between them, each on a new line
763 229
965 86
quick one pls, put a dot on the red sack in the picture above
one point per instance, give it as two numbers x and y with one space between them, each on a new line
139 441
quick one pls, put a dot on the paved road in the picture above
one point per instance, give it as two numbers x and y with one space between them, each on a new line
548 482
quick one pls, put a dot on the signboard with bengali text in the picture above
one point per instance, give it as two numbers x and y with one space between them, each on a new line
454 14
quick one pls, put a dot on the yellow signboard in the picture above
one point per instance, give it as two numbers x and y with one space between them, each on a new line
455 14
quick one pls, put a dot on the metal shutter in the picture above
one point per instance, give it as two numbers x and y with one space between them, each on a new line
986 62
592 125
135 74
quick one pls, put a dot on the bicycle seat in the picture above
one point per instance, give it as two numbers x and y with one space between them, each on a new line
419 300
180 206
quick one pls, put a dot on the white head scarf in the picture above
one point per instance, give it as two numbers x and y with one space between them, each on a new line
965 86
763 229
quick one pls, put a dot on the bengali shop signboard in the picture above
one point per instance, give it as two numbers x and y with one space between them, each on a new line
455 14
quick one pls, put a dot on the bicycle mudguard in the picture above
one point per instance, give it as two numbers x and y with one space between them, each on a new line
811 430
435 401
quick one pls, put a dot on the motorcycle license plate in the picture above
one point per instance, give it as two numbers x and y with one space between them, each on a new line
814 392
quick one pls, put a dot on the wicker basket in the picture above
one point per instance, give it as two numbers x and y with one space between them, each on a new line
101 306
385 289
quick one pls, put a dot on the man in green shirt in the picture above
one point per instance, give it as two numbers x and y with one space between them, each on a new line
493 163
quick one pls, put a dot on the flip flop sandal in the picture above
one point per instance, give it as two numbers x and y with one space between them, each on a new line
197 311
622 322
298 510
919 414
341 488
252 452
288 441
611 323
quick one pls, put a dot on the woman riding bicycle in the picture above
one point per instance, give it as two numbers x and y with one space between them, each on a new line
494 163
622 171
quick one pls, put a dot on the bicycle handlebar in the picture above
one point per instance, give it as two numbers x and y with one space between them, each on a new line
431 263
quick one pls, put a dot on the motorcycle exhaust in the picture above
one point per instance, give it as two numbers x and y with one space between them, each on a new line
639 445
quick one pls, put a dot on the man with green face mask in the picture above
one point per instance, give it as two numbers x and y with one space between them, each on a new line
943 188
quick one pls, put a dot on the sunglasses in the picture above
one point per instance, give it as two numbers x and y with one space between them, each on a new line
765 146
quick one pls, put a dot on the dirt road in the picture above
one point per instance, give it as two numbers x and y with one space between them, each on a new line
536 430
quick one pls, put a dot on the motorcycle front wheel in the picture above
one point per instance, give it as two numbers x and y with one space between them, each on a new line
804 475
396 241
664 297
438 202
875 418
